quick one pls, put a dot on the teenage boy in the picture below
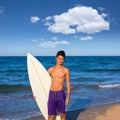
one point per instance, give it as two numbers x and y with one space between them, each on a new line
57 99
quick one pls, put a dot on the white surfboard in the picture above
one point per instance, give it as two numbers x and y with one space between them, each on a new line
40 83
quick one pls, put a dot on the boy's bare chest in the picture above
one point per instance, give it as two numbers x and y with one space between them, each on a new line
58 73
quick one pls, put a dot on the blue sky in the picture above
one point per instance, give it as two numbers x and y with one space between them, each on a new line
80 27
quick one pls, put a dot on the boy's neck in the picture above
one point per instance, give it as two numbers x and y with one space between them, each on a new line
58 65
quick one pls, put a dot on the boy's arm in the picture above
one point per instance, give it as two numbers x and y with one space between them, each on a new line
49 70
68 87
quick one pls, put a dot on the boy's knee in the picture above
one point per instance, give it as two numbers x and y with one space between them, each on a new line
63 116
51 117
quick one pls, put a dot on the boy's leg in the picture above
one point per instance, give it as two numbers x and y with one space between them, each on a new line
51 106
61 104
62 116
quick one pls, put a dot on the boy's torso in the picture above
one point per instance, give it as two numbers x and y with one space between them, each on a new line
58 76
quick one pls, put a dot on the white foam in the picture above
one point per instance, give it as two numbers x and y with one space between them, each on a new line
110 86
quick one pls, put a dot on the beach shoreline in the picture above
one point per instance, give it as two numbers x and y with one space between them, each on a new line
100 112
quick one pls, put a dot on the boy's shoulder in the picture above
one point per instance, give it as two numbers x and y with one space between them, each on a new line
51 68
66 69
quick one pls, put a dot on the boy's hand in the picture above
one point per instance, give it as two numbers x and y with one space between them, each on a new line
67 101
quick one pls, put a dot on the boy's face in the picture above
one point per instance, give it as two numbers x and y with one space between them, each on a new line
60 59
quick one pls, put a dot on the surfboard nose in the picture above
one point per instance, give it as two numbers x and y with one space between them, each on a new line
28 54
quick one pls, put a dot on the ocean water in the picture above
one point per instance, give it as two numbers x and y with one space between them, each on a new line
94 81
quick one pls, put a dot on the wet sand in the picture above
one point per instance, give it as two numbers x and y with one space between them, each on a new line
103 112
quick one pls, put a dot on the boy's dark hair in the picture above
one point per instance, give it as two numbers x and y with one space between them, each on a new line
62 53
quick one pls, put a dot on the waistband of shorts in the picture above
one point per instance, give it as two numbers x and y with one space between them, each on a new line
59 91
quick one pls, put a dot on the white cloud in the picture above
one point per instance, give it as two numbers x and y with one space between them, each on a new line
1 10
48 18
78 19
52 43
34 19
54 38
101 8
104 15
47 23
86 38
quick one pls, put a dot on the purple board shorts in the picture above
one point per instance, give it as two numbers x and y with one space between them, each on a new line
56 102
